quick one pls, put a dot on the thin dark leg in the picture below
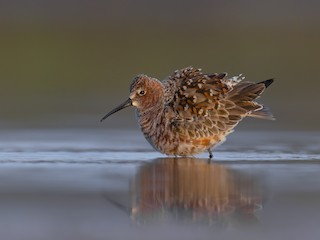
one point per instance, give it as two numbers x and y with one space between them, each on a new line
210 153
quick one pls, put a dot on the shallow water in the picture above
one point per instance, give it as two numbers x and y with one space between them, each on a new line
110 184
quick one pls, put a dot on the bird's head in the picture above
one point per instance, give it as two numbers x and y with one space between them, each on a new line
145 93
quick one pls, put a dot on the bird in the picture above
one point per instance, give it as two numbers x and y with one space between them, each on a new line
190 112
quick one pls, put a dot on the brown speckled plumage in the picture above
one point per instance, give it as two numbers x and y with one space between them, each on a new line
190 111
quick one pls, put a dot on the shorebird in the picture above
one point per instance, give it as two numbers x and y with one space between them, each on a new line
190 112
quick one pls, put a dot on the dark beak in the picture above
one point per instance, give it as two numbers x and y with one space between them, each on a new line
127 103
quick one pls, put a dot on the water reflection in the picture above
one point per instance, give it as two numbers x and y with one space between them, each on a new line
193 190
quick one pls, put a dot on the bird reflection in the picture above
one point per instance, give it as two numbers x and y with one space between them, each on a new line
193 190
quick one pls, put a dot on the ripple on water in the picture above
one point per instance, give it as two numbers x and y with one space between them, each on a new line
93 146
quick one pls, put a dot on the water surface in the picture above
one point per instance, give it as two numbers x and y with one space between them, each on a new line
110 184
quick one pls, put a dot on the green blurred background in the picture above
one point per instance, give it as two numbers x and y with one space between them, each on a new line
66 63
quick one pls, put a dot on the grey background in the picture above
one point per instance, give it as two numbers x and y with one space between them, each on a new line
66 63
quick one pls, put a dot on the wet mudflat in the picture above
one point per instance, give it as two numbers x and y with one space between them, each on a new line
110 184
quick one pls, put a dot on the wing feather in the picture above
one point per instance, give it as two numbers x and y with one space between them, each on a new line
205 105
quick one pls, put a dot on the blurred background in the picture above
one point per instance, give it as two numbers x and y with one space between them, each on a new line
64 64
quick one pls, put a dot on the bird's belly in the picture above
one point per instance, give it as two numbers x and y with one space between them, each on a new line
187 147
172 143
166 139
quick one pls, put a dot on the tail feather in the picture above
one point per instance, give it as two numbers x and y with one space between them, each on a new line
268 82
263 113
244 94
246 91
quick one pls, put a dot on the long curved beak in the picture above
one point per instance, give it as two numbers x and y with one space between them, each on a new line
127 103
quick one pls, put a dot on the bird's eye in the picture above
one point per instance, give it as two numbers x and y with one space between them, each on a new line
142 92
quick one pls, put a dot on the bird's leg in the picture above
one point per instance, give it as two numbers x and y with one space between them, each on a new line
210 154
